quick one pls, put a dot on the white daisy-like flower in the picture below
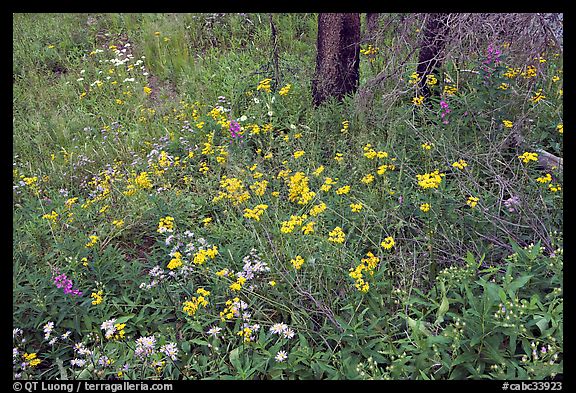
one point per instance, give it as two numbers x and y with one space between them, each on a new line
108 327
16 332
170 350
281 356
278 328
77 362
48 330
214 330
288 333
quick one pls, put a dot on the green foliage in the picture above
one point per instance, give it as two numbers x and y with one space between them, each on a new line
185 195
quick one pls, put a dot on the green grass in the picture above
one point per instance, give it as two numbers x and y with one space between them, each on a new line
134 152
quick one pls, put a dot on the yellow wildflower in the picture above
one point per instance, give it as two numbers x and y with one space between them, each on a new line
297 262
356 207
336 235
388 243
472 201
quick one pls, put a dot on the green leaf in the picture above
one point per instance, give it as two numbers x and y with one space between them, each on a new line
418 326
502 295
517 284
61 369
199 342
235 358
125 318
443 309
543 324
492 290
464 358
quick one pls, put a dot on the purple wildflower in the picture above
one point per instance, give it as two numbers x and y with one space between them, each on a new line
445 109
62 281
235 130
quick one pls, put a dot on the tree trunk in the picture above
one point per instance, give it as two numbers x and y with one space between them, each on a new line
337 60
433 43
371 25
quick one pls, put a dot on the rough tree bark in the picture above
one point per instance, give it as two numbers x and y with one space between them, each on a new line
371 24
337 60
431 47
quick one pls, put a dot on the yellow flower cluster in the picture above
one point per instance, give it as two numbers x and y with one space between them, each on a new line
554 188
343 190
388 242
191 306
472 201
511 73
265 85
297 262
430 180
370 153
526 157
317 209
560 128
166 224
367 265
118 332
318 170
203 168
236 286
530 72
118 223
537 96
298 154
93 240
98 297
345 126
308 228
339 157
293 222
450 90
176 261
230 310
255 213
299 190
418 100
383 168
51 216
246 333
285 90
414 78
507 123
367 179
70 202
31 358
356 207
544 179
427 146
328 183
233 190
431 80
336 235
460 164
369 50
163 159
425 207
202 255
